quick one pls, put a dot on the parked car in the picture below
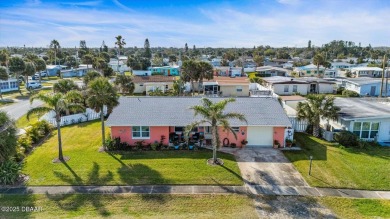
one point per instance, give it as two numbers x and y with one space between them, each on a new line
33 85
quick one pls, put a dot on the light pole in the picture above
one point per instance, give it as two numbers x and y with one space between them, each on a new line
311 160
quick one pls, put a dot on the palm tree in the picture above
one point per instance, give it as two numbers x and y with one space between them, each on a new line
318 60
101 93
64 85
58 103
29 71
55 47
316 108
125 83
120 42
205 71
3 77
213 114
17 66
4 58
190 73
90 76
88 59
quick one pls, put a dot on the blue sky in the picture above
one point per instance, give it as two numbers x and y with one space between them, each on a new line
244 23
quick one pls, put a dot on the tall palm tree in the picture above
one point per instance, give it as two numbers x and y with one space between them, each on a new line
120 42
3 77
88 59
316 108
90 76
214 115
318 60
205 72
58 103
55 47
64 85
101 93
17 66
190 73
29 71
125 83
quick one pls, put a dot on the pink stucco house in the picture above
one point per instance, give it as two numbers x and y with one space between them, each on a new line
149 118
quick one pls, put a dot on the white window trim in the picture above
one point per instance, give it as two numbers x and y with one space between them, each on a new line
140 133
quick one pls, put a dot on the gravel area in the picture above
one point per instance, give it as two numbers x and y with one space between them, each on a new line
283 207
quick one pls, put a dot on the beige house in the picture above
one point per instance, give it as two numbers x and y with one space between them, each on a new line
145 84
227 87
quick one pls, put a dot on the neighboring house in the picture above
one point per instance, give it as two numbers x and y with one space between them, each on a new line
269 71
289 86
141 72
330 73
74 72
165 70
9 85
342 65
366 72
369 118
309 71
226 87
120 66
228 71
216 62
289 65
366 86
52 70
150 118
151 83
290 103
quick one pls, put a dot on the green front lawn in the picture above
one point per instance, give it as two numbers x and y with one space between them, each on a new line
339 167
89 167
357 208
130 206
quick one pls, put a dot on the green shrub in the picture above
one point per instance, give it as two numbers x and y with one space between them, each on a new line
20 154
9 172
347 139
363 144
25 142
38 131
349 93
340 90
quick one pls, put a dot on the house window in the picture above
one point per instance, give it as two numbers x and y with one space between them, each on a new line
295 88
285 88
239 88
236 129
179 128
367 130
141 131
207 129
166 87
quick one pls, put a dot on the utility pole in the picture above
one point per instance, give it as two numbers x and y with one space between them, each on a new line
383 77
387 76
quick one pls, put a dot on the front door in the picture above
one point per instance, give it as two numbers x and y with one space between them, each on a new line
313 88
373 89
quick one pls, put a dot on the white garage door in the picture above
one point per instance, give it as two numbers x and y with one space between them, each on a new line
260 136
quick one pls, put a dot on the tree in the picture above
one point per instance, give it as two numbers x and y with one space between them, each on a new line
317 107
148 53
8 138
186 48
318 60
17 66
125 83
88 59
189 73
259 60
101 93
4 58
120 43
29 71
71 62
55 47
214 114
58 103
205 70
64 85
90 76
40 65
178 87
3 77
309 45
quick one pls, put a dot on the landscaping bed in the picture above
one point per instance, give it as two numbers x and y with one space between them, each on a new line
87 166
335 166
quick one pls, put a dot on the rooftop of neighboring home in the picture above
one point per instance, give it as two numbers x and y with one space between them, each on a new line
175 111
352 108
363 80
292 98
366 69
308 67
300 80
271 68
221 80
153 78
55 66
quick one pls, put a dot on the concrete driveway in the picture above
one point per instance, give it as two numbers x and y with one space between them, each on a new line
267 166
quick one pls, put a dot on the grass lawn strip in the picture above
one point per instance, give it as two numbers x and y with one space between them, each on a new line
338 167
89 167
357 208
133 206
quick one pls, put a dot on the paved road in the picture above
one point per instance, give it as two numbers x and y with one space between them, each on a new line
18 109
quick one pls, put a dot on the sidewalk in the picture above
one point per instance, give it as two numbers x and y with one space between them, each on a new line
167 189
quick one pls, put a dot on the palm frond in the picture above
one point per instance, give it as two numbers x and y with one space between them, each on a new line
38 111
44 97
238 116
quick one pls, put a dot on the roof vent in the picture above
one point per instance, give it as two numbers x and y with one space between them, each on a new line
292 79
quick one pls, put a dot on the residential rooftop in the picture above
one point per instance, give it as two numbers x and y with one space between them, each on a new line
354 108
292 98
364 80
175 111
153 78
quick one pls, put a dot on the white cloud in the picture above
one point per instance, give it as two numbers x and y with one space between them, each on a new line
289 2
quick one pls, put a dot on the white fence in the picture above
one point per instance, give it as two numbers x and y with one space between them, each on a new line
298 125
73 119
